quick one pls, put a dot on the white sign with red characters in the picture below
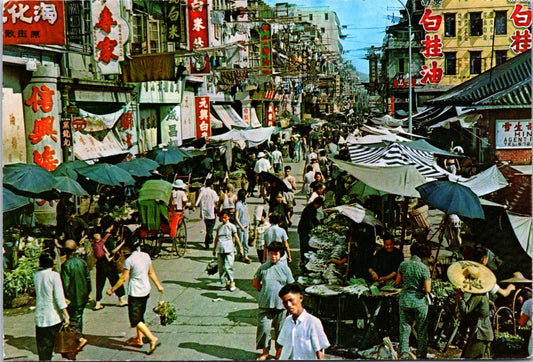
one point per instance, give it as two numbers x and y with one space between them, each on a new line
41 116
521 39
513 134
110 33
203 119
197 28
431 22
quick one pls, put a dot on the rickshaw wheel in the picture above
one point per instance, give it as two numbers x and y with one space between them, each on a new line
179 242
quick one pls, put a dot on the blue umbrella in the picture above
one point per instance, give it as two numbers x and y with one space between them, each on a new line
28 177
452 198
107 174
69 168
139 166
11 201
169 155
70 186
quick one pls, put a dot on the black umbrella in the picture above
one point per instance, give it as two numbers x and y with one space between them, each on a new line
274 181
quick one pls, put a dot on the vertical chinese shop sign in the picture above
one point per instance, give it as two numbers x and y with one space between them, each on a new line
521 39
110 33
270 115
197 28
432 43
265 49
34 22
203 126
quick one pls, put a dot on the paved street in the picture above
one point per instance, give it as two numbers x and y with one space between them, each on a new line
213 323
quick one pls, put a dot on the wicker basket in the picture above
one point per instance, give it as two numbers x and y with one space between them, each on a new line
421 217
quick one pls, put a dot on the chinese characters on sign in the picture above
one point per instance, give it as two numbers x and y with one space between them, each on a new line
513 134
174 21
42 124
198 34
521 39
270 115
432 47
203 125
110 33
66 133
33 22
265 45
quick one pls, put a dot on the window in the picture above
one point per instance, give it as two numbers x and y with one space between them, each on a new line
138 45
476 24
401 65
501 56
475 62
450 63
500 22
78 24
310 17
322 30
326 16
449 25
154 43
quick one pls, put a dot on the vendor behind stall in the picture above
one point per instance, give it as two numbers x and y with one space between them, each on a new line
386 261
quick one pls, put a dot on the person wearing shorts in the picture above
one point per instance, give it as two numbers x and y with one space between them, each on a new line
138 268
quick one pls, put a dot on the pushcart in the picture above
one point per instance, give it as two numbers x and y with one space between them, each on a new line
160 224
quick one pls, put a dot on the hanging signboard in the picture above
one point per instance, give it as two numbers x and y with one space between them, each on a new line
265 48
13 134
513 134
171 127
188 120
521 18
197 28
432 47
270 115
174 21
203 121
34 22
110 33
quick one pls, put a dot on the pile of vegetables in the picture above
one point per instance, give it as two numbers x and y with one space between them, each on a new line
443 293
358 286
508 341
167 312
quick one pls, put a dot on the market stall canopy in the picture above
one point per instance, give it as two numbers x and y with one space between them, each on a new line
452 198
484 182
158 190
465 120
252 136
423 145
70 186
28 177
228 116
139 166
397 180
69 168
523 229
168 155
387 120
11 201
107 174
396 154
357 213
362 190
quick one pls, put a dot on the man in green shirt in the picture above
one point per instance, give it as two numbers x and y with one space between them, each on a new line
77 286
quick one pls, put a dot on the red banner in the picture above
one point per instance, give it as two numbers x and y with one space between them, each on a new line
270 115
265 48
34 22
203 120
197 28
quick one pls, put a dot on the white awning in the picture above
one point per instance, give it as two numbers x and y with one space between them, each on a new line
466 120
229 116
215 123
87 147
254 120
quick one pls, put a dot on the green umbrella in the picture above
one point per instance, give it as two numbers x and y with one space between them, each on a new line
169 155
107 174
69 168
11 201
68 185
29 178
139 166
362 190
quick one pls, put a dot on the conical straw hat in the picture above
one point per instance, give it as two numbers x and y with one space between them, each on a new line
517 278
471 277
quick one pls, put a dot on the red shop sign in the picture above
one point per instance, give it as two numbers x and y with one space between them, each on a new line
197 28
34 22
203 125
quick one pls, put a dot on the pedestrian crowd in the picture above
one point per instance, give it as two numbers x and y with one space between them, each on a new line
62 296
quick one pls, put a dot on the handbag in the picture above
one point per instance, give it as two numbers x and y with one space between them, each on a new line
66 340
118 261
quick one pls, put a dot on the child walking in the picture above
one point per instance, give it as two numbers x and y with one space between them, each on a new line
243 223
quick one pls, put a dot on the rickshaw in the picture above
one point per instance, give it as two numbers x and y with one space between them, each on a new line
160 223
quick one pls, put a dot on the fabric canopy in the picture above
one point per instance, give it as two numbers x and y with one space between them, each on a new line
229 116
523 229
423 145
484 182
253 137
357 213
466 120
396 154
398 180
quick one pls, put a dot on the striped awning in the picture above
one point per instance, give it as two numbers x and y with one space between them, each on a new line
396 154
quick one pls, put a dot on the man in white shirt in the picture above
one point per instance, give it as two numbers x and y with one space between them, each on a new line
311 155
208 198
302 335
224 250
262 165
277 160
